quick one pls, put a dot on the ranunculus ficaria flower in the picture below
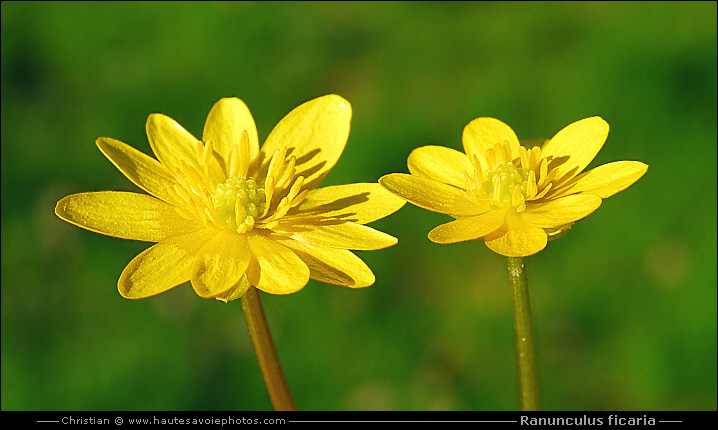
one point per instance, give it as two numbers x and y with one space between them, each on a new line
513 197
227 215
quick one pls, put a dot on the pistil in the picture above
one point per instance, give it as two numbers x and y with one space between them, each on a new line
238 203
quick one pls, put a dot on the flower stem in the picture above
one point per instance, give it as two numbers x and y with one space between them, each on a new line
528 374
266 355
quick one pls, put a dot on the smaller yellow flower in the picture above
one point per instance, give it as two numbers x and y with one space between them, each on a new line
227 214
513 197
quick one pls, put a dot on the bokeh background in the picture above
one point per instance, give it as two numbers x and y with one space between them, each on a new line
624 305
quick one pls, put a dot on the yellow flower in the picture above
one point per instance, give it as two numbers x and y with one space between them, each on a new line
513 197
227 214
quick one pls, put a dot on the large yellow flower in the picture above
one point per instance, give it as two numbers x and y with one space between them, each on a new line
227 214
513 197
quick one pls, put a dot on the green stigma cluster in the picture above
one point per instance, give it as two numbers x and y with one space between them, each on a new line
238 203
502 181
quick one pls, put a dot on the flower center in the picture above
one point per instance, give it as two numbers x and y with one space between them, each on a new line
507 185
508 178
238 203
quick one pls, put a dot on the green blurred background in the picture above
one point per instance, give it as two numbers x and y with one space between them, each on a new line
624 305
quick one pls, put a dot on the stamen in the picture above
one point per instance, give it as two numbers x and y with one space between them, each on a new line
479 190
507 156
531 187
295 188
500 154
300 198
287 174
194 208
270 225
239 211
491 158
207 154
544 191
517 199
243 162
269 193
534 157
213 215
198 149
194 180
184 212
524 155
470 185
550 176
277 162
282 209
543 171
233 162
180 191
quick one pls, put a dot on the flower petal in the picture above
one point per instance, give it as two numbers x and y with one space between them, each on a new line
276 269
342 235
225 124
162 266
170 142
608 179
432 195
482 133
220 264
573 148
562 211
333 266
315 133
143 170
361 203
172 145
440 164
235 292
518 238
124 215
468 228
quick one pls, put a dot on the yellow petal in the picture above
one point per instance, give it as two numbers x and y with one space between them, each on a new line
170 142
162 266
124 215
440 164
226 121
608 179
235 292
143 170
559 212
315 133
277 269
518 238
361 203
220 264
333 266
482 133
432 195
343 235
468 228
573 148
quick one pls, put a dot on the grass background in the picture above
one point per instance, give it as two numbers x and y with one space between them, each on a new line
624 305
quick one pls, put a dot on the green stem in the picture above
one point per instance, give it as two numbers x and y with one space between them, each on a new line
266 355
528 374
